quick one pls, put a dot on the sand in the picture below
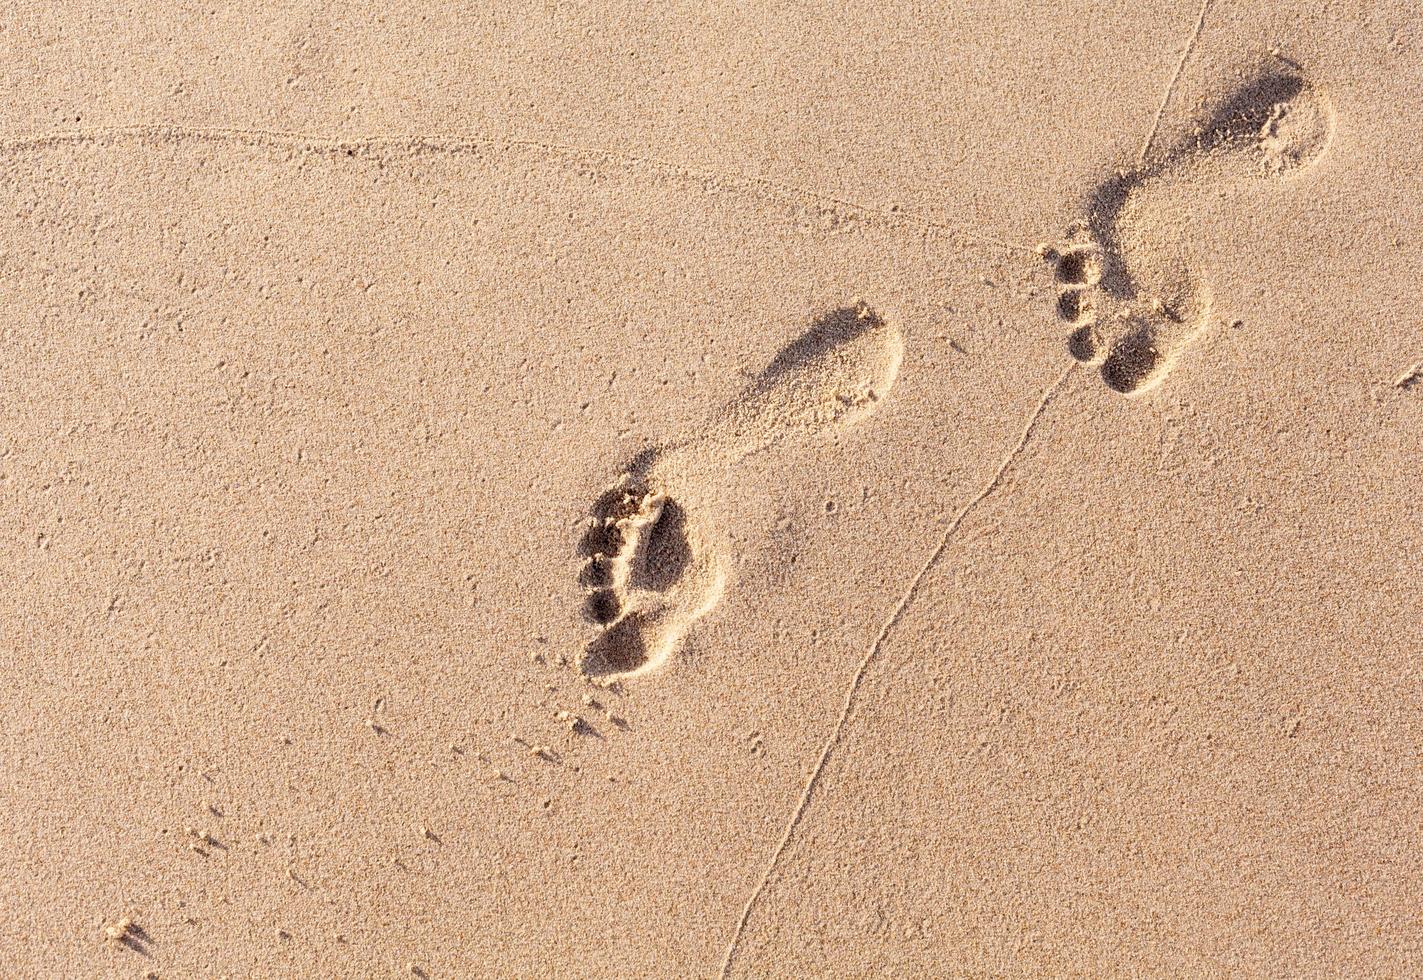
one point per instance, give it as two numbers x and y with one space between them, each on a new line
624 491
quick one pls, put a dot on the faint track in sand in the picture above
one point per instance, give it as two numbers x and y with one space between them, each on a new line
709 180
872 654
1175 78
1049 393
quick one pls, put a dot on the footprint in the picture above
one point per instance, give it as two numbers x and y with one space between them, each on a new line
649 574
650 568
1124 279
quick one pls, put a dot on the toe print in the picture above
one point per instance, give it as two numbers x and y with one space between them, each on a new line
602 606
650 569
1074 306
1125 285
1080 266
1083 344
1133 359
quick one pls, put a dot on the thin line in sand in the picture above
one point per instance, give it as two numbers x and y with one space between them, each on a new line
1176 77
759 187
852 691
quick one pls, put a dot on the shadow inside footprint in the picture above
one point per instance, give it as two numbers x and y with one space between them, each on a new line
618 503
666 552
598 572
602 606
1082 344
1244 114
1132 361
830 331
601 538
1104 211
620 649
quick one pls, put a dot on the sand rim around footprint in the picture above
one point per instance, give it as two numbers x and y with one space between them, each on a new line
650 569
1125 282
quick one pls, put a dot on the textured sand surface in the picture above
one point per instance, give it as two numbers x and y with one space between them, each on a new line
720 492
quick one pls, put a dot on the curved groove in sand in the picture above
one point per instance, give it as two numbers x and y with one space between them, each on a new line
762 188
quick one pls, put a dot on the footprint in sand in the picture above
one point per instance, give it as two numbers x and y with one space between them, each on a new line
650 568
1123 274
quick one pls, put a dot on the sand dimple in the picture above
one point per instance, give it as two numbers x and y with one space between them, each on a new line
835 373
650 569
1125 283
1297 133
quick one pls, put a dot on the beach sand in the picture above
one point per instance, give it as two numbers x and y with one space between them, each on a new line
717 492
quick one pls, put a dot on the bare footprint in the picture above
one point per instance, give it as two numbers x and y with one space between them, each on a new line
1125 282
650 570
